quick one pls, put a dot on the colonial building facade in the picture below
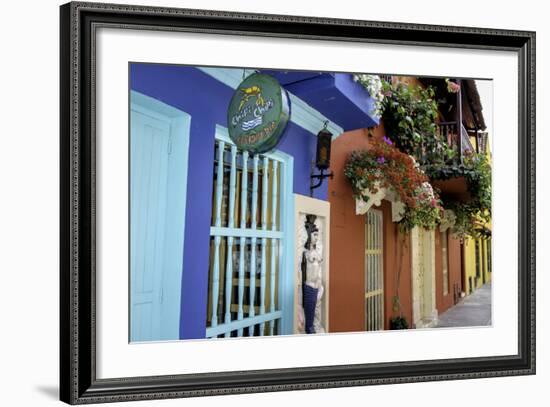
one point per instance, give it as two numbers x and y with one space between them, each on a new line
226 242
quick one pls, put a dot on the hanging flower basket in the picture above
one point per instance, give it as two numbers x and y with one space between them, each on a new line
382 171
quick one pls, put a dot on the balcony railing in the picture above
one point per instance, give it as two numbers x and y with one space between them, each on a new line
448 131
482 142
386 78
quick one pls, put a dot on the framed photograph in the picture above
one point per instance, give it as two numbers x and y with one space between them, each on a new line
254 203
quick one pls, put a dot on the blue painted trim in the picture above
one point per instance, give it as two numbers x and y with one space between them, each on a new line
217 239
286 283
223 135
287 248
302 114
231 223
274 243
156 107
238 232
310 119
263 269
241 324
242 247
180 123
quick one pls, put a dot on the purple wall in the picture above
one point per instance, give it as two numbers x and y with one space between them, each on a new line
339 98
206 100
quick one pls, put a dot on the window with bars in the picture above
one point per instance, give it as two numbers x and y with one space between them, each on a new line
246 243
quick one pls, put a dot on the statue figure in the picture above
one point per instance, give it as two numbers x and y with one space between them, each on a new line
312 283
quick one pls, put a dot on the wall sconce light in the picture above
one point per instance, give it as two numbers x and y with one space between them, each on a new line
322 159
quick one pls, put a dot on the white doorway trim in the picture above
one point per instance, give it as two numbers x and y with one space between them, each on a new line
423 277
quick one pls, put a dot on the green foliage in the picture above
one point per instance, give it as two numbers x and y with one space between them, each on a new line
423 215
409 114
477 211
399 323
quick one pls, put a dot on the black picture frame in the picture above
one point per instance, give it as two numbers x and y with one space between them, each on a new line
78 382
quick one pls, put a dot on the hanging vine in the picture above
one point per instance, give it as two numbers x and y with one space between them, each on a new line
410 114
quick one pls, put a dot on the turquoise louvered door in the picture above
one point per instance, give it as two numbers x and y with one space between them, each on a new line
150 149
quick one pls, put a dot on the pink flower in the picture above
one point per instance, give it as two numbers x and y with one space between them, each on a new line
433 203
452 87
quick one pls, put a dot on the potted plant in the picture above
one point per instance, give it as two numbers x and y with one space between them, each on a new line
399 322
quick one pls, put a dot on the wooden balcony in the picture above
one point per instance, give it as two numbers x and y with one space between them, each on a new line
449 131
453 187
463 132
386 78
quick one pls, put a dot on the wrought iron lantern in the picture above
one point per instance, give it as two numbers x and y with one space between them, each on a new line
322 159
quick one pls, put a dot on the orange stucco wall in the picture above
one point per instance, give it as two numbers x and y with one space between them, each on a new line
347 250
444 302
347 294
397 255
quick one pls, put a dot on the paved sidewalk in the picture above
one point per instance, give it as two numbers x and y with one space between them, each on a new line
473 310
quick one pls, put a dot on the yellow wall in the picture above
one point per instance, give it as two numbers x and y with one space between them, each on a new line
473 279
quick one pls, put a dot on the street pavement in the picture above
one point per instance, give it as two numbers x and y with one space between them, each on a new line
473 310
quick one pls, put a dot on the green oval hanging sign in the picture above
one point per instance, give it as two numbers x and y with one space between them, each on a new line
258 113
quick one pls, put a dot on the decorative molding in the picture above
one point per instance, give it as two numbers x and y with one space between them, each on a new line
362 206
397 207
305 205
448 220
397 210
